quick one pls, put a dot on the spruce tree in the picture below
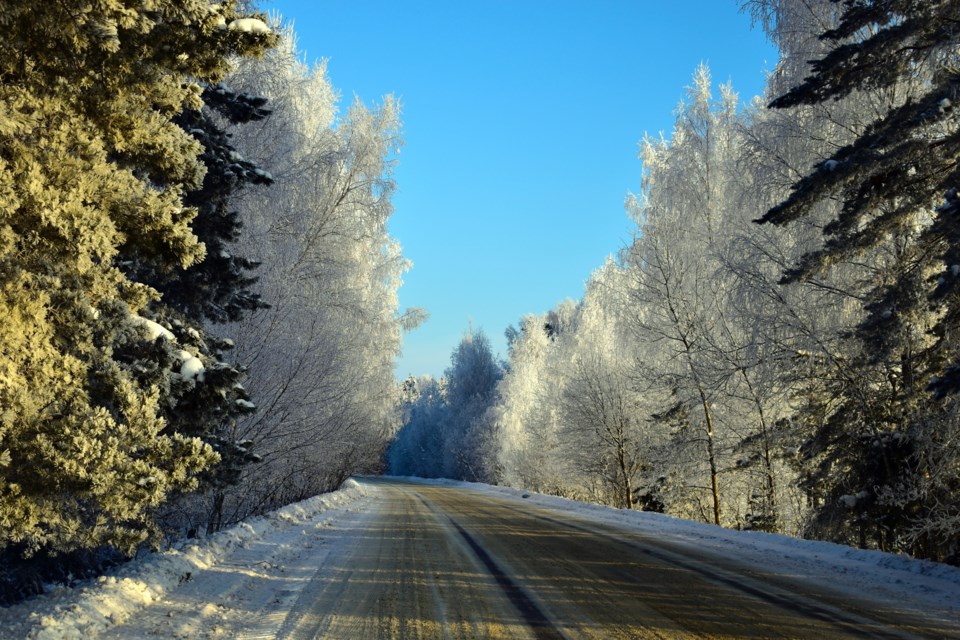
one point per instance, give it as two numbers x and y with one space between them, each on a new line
891 183
206 397
93 172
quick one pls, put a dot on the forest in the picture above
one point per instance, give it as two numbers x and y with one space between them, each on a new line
198 292
199 315
776 349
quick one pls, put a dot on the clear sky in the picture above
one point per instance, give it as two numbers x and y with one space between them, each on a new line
521 121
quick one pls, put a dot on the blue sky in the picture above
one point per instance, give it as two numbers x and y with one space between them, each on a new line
521 122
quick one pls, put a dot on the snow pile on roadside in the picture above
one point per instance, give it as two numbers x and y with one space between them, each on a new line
898 579
87 610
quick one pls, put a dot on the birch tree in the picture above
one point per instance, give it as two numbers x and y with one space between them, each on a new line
320 359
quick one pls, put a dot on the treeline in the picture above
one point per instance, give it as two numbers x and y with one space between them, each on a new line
198 311
777 347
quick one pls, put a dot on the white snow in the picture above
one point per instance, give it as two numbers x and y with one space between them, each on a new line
154 330
850 501
830 165
91 609
191 368
246 404
262 565
249 25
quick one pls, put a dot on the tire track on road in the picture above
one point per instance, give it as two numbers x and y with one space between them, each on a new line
538 621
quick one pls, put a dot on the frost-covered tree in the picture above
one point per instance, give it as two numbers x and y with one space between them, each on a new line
688 186
418 448
447 430
471 384
321 358
206 397
606 419
896 182
526 408
533 451
94 173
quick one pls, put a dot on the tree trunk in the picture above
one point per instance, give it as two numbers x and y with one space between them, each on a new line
627 487
767 455
714 486
216 513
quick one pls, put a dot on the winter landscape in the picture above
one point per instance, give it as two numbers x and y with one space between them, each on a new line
748 424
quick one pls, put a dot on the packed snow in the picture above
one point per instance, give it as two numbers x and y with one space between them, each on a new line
288 546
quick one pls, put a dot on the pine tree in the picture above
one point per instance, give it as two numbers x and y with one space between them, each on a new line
93 172
889 181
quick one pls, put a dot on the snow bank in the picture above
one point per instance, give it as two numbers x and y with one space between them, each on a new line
929 588
87 610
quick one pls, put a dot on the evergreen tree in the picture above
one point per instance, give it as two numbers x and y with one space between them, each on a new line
889 182
218 289
206 396
93 172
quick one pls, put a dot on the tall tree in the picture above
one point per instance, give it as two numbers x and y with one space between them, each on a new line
676 286
418 447
471 386
210 398
605 421
93 172
897 184
531 449
321 358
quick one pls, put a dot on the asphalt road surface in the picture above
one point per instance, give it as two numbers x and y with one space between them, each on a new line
439 562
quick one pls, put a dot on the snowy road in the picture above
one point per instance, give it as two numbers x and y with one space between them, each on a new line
444 562
397 559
